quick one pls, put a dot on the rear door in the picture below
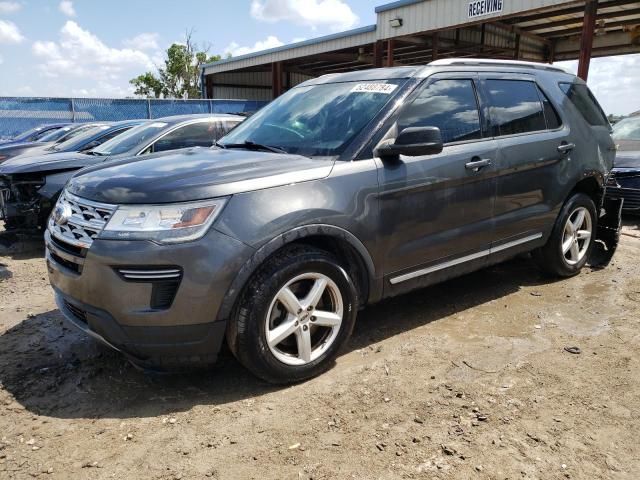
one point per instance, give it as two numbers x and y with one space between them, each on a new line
533 148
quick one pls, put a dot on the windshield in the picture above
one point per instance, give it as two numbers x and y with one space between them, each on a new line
69 133
136 137
627 129
79 140
53 135
315 120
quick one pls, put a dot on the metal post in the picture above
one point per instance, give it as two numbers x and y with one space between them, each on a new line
276 79
390 45
516 53
73 111
148 108
434 46
377 54
586 41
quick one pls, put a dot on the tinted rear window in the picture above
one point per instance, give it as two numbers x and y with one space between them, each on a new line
514 107
586 103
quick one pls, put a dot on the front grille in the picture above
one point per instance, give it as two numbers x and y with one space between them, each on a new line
4 198
77 312
80 221
73 266
631 197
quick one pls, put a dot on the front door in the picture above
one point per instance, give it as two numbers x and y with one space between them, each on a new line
436 210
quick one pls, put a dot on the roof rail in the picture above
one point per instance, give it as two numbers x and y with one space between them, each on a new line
485 62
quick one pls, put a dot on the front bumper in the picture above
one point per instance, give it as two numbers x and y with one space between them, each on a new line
180 328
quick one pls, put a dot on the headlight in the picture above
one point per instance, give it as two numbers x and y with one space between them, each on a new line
173 223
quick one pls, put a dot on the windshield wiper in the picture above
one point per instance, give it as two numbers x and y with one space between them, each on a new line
252 146
97 154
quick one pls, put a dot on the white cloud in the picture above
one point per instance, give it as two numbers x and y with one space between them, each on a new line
144 41
335 14
9 32
66 7
1 60
614 81
9 7
236 50
79 53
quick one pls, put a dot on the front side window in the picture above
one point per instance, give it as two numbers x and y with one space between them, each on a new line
514 107
316 120
586 103
450 105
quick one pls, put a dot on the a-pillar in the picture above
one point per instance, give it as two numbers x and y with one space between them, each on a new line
586 42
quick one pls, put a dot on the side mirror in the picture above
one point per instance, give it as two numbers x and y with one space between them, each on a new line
413 142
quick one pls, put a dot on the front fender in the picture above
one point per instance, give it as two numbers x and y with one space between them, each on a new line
295 234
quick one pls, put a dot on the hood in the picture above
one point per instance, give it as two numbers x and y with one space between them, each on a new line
48 163
193 174
627 145
13 150
627 159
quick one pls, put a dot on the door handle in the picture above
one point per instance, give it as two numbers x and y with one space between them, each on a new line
566 147
476 165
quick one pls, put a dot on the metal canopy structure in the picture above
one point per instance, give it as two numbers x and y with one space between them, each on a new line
416 32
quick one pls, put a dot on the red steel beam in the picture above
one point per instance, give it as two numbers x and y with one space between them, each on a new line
390 46
586 41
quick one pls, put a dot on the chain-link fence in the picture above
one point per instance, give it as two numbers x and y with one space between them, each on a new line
18 114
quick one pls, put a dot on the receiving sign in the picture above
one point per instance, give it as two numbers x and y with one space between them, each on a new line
479 8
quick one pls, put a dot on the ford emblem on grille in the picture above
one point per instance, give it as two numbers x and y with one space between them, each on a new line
62 214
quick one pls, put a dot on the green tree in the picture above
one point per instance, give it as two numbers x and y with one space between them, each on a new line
180 75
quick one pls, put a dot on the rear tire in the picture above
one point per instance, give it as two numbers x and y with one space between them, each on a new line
294 316
571 240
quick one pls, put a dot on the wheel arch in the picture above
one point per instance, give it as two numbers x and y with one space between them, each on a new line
591 184
338 241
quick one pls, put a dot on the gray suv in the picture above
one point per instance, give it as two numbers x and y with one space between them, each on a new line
348 189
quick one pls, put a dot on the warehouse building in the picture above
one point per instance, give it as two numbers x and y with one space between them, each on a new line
416 32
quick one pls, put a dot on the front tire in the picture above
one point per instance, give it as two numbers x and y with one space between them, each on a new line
571 240
294 316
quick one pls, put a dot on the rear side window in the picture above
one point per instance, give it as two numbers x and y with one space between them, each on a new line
586 103
450 105
514 107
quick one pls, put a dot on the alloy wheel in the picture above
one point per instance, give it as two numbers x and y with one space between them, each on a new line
304 319
576 238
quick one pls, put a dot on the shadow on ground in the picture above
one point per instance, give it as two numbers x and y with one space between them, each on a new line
51 369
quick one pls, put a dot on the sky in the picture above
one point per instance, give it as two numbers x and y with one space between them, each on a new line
91 48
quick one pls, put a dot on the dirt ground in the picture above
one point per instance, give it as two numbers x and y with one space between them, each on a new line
468 379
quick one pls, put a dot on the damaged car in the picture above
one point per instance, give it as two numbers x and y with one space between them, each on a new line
624 182
30 186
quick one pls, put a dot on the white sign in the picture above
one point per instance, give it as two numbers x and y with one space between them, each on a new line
480 8
386 88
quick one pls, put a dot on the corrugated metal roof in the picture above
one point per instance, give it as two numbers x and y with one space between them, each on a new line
291 46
